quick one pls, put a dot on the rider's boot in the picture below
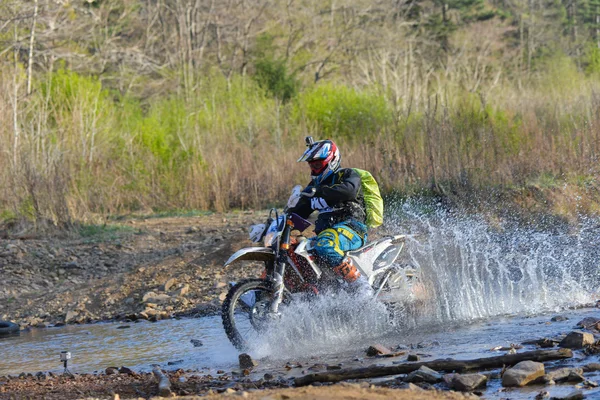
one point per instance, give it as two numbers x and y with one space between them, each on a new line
347 271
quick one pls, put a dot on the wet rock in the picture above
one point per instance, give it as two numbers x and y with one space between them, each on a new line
128 371
124 327
542 395
318 367
561 374
591 367
424 374
576 395
41 376
111 371
575 376
468 382
523 373
377 349
413 357
577 340
246 362
197 343
588 322
268 377
590 384
559 318
174 362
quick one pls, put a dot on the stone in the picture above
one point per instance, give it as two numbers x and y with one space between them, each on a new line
588 322
268 377
559 318
377 349
542 395
183 290
125 370
576 395
468 382
591 367
523 373
561 374
169 284
71 316
246 362
424 374
152 297
111 371
577 340
413 357
196 342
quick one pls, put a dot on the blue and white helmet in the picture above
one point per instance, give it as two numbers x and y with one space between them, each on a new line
323 157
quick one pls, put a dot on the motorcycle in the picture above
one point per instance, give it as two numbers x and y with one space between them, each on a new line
291 271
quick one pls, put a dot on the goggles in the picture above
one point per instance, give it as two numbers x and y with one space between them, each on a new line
317 166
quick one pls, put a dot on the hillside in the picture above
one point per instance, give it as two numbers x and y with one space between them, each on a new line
116 106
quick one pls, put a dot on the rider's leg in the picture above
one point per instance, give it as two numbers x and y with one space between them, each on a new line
331 245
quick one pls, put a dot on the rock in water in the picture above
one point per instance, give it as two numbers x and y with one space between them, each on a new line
424 374
468 382
246 362
377 349
577 340
523 373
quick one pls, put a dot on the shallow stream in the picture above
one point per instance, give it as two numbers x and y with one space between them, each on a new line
489 284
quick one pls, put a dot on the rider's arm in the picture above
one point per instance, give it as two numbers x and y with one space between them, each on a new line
346 188
302 208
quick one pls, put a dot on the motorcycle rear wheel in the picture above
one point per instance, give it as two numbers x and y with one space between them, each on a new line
241 320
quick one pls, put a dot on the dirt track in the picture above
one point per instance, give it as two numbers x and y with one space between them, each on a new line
122 273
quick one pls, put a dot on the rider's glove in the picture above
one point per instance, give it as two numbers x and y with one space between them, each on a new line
309 192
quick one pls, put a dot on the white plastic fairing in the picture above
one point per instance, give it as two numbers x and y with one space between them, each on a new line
295 196
256 232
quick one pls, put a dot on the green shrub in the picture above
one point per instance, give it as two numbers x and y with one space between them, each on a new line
337 110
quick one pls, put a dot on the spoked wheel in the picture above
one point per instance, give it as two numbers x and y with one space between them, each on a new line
245 311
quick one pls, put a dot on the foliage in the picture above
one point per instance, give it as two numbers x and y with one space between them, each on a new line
337 110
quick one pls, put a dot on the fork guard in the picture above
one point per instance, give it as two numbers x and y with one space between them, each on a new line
252 253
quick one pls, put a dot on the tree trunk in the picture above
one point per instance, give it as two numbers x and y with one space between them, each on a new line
437 365
31 43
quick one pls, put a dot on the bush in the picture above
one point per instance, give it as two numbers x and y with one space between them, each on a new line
338 110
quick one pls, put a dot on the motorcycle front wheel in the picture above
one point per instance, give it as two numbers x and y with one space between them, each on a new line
245 311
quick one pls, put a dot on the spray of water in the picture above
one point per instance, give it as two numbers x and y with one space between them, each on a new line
475 270
470 269
332 321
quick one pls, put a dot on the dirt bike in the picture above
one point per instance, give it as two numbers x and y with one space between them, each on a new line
292 270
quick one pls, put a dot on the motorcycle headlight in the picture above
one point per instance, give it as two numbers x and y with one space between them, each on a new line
270 238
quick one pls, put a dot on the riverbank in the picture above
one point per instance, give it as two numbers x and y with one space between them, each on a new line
138 268
159 267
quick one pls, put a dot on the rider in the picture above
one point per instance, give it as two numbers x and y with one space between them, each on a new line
337 194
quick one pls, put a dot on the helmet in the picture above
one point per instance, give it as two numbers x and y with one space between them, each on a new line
323 157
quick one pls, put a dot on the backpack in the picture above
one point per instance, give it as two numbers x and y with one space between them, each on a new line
373 200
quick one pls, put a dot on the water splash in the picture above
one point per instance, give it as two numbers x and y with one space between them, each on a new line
331 322
476 270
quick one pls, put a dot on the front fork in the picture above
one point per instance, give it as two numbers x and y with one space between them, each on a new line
278 285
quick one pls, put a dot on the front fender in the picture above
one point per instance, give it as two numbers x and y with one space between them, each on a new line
252 253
